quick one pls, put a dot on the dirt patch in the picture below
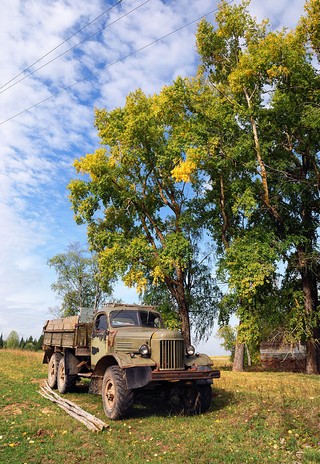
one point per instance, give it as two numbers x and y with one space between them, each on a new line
40 382
44 433
14 409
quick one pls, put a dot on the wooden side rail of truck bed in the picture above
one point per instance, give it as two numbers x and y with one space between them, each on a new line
68 333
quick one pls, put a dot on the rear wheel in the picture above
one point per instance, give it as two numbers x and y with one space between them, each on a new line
116 398
53 370
65 381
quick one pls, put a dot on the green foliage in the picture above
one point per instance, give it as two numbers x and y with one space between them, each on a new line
77 284
203 295
39 343
263 205
233 151
309 25
228 336
12 341
140 218
250 262
30 347
159 296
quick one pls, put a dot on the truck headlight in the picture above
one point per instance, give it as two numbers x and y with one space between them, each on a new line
144 350
190 350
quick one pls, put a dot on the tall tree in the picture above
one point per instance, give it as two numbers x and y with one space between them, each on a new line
77 283
260 131
139 218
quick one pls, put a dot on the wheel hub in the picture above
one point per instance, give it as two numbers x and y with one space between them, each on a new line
110 393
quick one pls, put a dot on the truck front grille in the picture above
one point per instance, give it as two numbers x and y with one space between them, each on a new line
171 354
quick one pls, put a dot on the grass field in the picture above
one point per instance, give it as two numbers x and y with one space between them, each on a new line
255 417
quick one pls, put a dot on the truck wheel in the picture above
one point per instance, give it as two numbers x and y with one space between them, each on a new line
197 399
205 392
53 370
65 381
116 398
190 399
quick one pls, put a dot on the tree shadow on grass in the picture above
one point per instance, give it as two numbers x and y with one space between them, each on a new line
221 399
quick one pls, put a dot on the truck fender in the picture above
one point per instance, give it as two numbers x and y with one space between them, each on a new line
47 355
198 360
125 361
71 363
137 377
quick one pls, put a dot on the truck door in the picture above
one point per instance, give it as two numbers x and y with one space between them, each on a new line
99 341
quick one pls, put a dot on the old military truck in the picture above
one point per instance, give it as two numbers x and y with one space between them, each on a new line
122 350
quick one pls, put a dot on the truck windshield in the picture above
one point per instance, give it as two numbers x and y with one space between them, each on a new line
135 318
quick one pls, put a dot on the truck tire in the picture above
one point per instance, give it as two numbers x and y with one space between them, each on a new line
196 399
65 381
116 398
205 392
190 399
53 370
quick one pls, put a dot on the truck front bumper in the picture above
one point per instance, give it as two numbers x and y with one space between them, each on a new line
187 374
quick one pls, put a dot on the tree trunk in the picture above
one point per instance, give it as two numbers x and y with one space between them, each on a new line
183 307
262 168
310 291
311 361
185 325
225 220
248 355
177 290
238 362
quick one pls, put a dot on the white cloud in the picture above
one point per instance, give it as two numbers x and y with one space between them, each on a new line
280 12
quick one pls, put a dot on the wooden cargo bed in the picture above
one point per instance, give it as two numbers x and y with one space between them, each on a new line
67 332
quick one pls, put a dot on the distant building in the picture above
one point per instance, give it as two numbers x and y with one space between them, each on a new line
276 356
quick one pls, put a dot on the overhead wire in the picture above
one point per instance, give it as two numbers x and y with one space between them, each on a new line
71 48
134 52
57 46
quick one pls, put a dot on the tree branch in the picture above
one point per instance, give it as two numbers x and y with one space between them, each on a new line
90 421
262 172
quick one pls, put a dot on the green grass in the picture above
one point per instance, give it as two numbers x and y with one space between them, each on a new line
255 417
221 362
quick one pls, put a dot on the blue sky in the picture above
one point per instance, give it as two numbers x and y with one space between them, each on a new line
38 146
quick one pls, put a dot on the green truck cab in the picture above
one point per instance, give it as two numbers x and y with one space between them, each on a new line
122 350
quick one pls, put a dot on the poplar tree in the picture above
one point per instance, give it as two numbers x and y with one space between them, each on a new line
140 219
258 110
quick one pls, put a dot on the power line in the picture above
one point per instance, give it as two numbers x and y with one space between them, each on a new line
56 47
134 52
69 49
